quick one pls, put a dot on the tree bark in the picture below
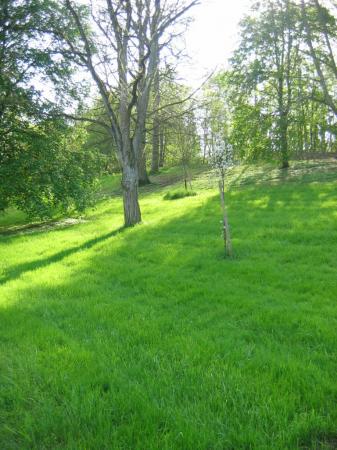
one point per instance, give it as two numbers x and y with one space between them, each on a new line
143 178
132 214
127 25
156 125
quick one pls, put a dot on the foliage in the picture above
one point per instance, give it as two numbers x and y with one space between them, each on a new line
270 104
319 24
42 169
48 172
98 138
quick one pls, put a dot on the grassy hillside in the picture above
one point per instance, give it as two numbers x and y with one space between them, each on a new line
147 338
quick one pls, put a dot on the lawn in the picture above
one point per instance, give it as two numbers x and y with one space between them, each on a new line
147 338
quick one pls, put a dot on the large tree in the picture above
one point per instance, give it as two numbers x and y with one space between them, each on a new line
119 49
271 103
267 57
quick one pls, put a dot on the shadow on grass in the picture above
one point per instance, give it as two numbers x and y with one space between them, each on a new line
203 222
39 226
245 175
299 172
17 271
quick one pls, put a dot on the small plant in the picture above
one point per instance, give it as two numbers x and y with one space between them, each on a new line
221 160
179 194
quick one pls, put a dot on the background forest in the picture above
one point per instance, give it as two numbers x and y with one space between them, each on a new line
275 102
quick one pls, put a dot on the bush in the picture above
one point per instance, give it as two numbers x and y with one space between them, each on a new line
179 194
47 171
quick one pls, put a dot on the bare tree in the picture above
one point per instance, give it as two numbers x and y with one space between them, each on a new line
119 46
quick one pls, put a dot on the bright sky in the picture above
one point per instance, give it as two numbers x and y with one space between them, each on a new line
212 36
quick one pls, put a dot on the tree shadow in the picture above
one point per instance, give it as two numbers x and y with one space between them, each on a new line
40 226
299 172
20 269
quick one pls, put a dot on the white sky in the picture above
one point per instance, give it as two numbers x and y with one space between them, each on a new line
212 36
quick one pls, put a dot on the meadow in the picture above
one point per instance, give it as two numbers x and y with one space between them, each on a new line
148 338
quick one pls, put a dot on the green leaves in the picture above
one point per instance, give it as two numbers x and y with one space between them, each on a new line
48 173
43 170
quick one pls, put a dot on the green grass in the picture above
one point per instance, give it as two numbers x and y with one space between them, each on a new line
178 194
11 218
147 338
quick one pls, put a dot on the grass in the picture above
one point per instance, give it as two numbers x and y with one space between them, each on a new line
147 338
176 195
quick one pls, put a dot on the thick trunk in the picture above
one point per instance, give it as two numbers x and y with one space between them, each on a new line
132 214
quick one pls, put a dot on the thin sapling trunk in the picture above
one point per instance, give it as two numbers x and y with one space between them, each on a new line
226 229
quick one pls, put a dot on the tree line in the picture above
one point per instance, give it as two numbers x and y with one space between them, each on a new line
277 100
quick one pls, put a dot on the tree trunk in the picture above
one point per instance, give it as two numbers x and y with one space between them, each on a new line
283 130
226 230
132 214
162 149
186 176
155 147
143 178
156 124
